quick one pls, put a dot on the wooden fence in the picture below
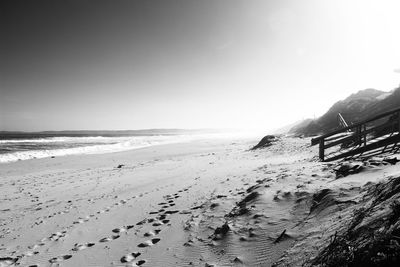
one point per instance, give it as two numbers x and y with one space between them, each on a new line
378 134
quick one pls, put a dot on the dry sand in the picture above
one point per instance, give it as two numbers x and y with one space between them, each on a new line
201 203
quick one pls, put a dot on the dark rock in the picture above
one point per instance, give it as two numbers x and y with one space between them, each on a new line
348 168
392 161
213 205
237 260
222 230
249 197
266 141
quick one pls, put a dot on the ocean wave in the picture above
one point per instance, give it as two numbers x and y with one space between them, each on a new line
59 139
25 149
111 144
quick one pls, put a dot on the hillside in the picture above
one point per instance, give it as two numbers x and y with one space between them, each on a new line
356 107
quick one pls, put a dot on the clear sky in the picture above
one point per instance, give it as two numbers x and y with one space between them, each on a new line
190 63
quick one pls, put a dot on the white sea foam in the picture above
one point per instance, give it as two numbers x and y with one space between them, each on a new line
60 139
107 145
94 144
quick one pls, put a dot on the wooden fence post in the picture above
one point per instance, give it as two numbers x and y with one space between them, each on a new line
321 149
358 135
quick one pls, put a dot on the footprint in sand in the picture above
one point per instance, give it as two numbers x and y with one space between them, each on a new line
137 263
57 236
60 258
78 247
149 243
156 224
107 239
142 222
122 229
151 233
119 230
161 217
81 220
30 253
141 262
130 257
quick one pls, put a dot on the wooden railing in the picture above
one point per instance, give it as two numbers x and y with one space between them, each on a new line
379 131
342 121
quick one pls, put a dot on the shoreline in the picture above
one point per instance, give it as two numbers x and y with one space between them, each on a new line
89 145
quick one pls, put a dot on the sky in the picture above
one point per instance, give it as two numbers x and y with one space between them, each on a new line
111 65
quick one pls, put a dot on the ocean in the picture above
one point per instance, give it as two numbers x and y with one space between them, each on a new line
24 146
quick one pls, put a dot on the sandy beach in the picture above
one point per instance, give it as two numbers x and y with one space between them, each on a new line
201 203
172 133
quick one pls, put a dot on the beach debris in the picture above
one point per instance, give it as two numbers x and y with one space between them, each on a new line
266 141
348 168
223 229
239 210
220 232
250 197
237 260
281 237
241 207
378 161
392 160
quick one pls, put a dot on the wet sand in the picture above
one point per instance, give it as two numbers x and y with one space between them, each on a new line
201 203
